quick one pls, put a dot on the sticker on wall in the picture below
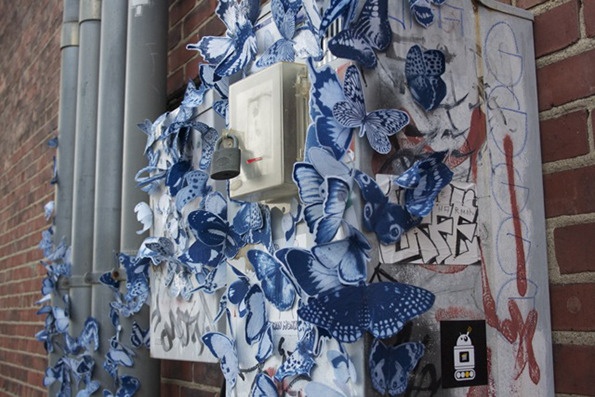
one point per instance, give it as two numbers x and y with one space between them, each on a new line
464 353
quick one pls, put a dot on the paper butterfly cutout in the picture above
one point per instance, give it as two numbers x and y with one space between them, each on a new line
137 284
253 223
256 319
325 91
224 348
370 32
219 84
315 389
89 337
423 70
144 215
128 386
140 337
290 220
215 279
276 286
311 275
174 178
263 386
380 308
378 125
293 41
215 232
336 9
196 186
234 51
301 360
422 11
390 366
388 220
265 345
343 368
423 181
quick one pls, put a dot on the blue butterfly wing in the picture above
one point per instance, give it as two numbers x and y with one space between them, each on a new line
380 124
196 187
284 18
221 107
389 221
265 346
325 91
350 256
208 227
139 336
341 312
308 181
256 320
249 217
201 254
373 24
263 386
129 385
348 44
315 389
390 366
334 207
306 45
236 292
371 191
422 12
312 276
327 165
250 8
280 51
410 178
333 135
276 286
422 71
434 62
336 9
175 176
264 234
213 49
244 50
208 141
352 111
224 349
391 305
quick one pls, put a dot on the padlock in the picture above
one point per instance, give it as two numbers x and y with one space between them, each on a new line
226 161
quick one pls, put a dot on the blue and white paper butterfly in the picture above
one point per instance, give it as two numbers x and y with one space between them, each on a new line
371 31
234 51
276 286
390 366
423 181
213 231
421 9
378 125
381 308
423 70
224 348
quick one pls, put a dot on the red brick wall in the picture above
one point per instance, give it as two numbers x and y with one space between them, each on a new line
565 52
29 88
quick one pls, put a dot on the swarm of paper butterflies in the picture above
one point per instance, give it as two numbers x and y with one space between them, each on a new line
204 230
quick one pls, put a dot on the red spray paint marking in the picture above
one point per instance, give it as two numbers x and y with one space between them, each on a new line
470 149
513 328
521 268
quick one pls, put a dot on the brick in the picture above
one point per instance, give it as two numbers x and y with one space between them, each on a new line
178 58
175 81
567 80
201 13
569 192
188 392
180 370
564 137
169 389
572 307
551 35
589 16
574 368
208 374
174 36
179 9
573 248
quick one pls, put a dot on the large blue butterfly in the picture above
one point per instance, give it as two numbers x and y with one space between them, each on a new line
390 366
312 276
422 11
195 186
253 223
301 360
381 308
336 9
423 70
377 125
276 286
388 220
137 281
304 43
234 51
423 181
370 32
224 348
215 232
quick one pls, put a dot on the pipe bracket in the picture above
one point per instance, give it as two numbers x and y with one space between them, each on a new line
90 10
88 279
70 34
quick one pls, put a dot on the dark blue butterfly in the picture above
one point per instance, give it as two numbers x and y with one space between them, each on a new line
128 386
119 354
263 386
253 223
336 9
423 70
158 249
200 254
137 281
422 11
390 366
304 43
174 178
88 339
423 181
224 348
276 286
234 51
140 337
377 125
312 276
370 32
380 308
388 220
215 232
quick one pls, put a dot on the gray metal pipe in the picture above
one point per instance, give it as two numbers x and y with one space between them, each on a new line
108 169
84 160
69 51
146 74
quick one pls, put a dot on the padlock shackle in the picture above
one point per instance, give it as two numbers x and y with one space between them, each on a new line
227 135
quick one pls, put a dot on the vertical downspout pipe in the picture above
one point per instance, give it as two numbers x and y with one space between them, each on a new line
108 169
84 163
146 76
69 50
